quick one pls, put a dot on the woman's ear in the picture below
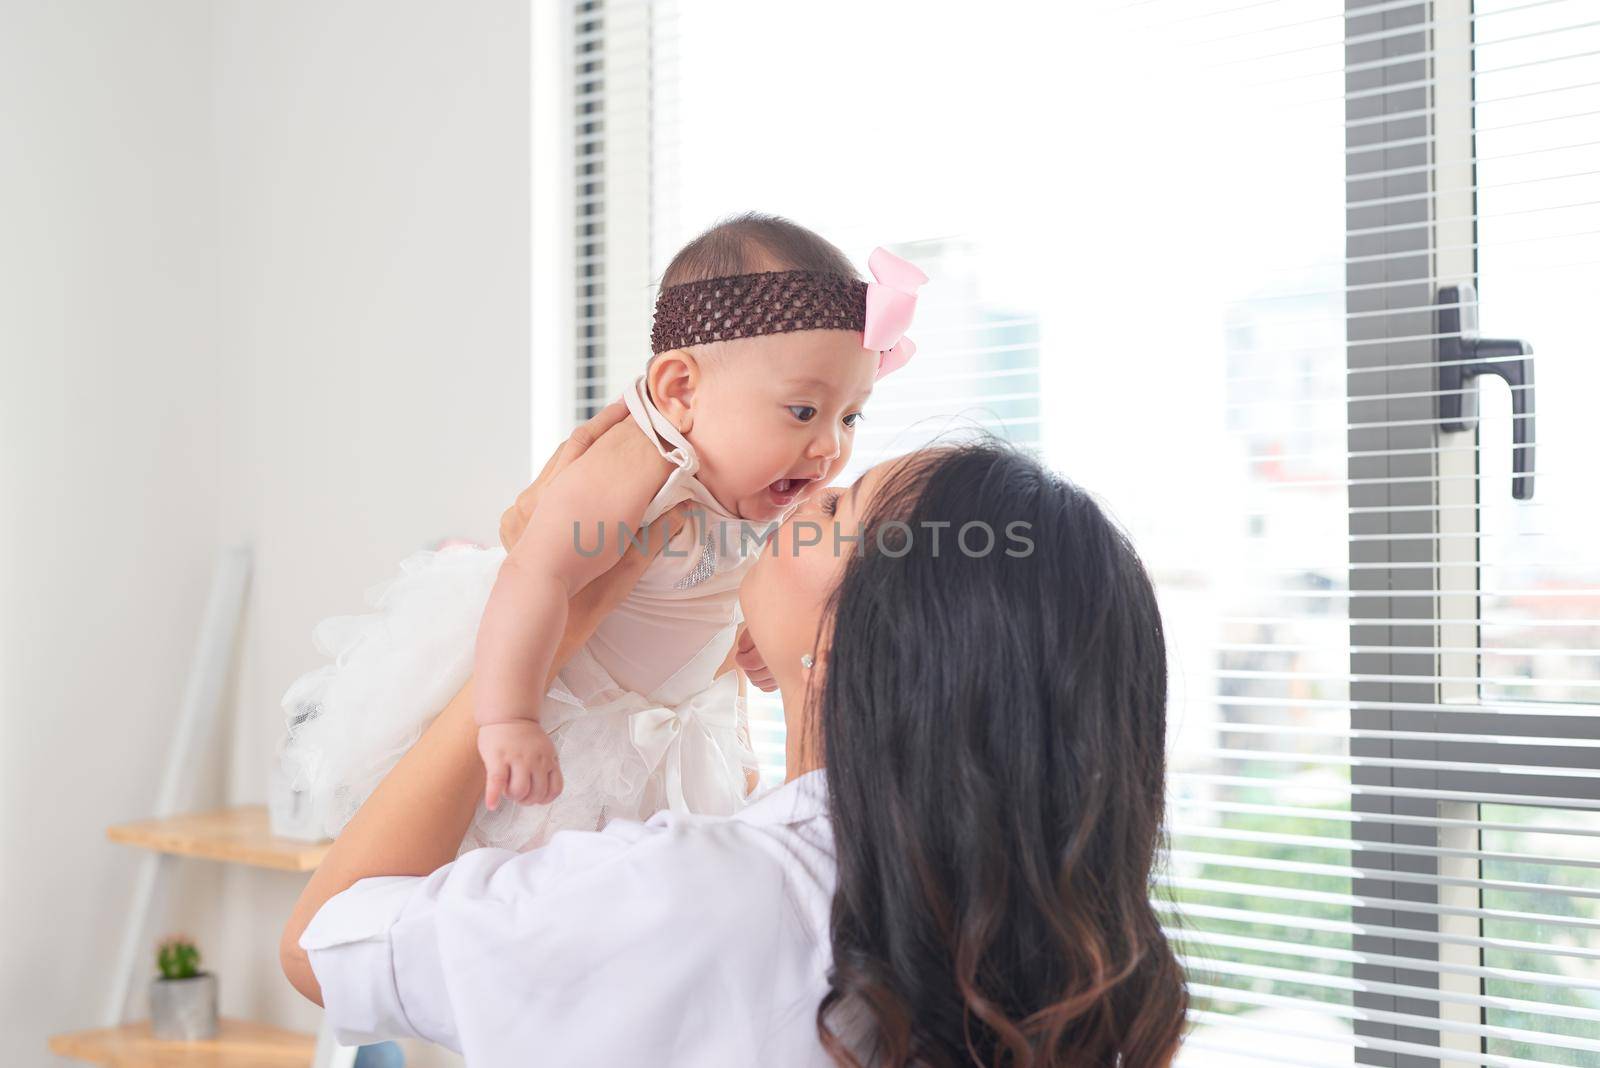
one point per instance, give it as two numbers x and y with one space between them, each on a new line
672 378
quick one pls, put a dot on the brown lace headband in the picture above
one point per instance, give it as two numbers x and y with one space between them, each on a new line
748 305
775 302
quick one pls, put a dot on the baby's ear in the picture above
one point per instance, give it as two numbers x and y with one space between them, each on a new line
672 379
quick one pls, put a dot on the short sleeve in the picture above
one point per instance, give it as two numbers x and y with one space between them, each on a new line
499 955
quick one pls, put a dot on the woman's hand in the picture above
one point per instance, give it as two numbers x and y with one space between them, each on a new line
515 519
749 660
596 600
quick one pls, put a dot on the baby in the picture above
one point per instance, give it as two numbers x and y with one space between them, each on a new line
772 416
765 348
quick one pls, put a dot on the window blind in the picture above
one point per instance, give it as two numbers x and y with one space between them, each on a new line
1192 254
612 61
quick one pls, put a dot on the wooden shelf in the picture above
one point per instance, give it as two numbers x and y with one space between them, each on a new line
238 1044
240 835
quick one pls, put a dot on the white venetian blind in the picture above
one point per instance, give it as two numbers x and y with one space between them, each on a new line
613 124
1189 252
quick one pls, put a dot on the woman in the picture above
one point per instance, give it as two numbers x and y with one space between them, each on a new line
956 870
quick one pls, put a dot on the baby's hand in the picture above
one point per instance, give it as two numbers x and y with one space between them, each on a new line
520 762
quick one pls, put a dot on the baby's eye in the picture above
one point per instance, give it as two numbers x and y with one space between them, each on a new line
810 413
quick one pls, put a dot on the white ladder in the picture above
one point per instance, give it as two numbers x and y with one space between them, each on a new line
202 706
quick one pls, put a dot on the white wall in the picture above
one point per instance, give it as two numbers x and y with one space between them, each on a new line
373 173
264 278
110 482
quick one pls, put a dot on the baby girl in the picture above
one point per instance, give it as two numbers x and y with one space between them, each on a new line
765 347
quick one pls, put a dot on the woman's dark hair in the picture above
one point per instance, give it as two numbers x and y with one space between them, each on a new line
993 727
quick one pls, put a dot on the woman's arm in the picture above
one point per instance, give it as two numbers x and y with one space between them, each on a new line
414 821
412 824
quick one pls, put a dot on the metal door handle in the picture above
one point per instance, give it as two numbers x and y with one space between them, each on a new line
1463 356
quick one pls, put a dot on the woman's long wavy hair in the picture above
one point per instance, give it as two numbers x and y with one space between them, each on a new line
994 729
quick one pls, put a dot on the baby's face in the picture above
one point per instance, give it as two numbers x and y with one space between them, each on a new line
773 417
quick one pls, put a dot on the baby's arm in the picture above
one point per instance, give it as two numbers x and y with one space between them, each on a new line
526 613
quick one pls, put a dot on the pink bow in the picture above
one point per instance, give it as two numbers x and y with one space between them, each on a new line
891 300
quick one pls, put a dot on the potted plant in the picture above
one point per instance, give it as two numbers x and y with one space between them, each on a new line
183 999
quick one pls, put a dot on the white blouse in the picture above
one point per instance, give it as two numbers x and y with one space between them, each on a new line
685 940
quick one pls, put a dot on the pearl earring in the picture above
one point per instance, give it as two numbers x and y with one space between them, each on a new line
807 660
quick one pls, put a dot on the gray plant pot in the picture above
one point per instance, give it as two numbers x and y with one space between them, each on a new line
184 1010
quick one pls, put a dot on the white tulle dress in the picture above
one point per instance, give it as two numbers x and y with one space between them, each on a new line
637 719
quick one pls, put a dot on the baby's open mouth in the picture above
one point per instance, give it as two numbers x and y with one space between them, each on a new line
785 490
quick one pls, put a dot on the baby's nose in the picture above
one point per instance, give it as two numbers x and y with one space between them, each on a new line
824 446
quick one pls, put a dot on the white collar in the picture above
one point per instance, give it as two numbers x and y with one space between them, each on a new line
804 798
648 416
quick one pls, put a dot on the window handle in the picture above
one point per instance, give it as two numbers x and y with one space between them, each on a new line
1462 357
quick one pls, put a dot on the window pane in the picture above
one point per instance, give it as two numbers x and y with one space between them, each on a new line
1538 149
1539 264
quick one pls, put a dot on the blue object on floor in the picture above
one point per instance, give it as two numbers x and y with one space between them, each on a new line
380 1055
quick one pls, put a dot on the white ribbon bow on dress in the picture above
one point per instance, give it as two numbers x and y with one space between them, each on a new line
681 742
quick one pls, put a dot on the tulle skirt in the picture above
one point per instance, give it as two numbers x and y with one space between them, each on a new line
622 755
